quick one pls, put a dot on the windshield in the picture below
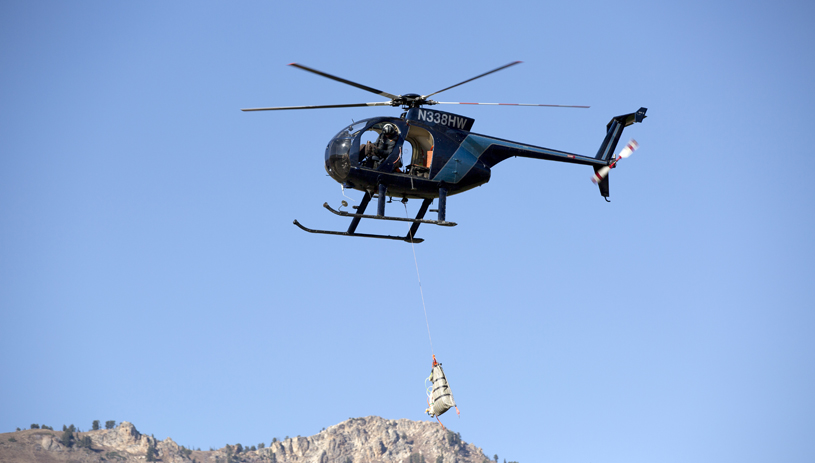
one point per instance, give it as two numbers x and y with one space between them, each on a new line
338 151
351 130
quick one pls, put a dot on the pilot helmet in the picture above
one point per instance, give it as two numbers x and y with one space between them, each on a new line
390 131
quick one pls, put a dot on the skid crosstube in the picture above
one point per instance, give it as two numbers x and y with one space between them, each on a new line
356 218
361 235
378 217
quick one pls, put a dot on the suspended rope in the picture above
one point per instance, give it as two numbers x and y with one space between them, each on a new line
421 292
439 397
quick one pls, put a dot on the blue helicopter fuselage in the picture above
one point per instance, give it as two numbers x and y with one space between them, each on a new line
434 150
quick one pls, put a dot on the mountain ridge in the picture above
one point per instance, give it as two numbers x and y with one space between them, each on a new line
370 439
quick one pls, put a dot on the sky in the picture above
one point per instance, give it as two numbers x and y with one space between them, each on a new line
150 271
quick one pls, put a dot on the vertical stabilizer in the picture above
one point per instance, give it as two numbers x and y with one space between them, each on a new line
614 130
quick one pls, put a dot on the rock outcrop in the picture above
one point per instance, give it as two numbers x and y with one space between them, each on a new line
123 438
359 440
374 439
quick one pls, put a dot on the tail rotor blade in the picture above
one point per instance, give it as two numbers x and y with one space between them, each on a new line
602 172
629 148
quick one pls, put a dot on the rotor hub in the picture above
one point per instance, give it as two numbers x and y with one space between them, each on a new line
409 100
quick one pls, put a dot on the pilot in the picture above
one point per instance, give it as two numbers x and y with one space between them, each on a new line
374 153
387 140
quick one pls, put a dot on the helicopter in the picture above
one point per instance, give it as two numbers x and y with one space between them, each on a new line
427 154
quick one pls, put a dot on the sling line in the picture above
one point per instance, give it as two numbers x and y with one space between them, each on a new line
421 292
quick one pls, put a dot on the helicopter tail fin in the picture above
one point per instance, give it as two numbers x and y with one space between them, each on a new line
600 177
614 130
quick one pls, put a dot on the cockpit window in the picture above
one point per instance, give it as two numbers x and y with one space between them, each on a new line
351 130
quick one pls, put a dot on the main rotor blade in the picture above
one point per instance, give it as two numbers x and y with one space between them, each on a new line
345 81
516 104
278 108
476 77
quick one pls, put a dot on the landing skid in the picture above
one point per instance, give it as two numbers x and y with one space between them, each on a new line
355 218
361 235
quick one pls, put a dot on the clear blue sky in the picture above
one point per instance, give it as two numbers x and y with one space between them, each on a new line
150 271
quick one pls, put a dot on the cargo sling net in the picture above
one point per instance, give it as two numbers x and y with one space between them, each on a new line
439 397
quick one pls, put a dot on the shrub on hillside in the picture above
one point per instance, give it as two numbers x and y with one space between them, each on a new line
67 438
84 442
151 452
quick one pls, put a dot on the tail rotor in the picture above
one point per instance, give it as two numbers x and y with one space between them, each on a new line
602 172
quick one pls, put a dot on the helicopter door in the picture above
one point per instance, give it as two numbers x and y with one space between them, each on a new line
380 146
421 142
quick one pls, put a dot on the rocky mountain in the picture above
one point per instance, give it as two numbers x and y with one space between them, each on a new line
359 440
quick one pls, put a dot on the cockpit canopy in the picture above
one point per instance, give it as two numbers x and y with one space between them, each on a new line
379 144
338 151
